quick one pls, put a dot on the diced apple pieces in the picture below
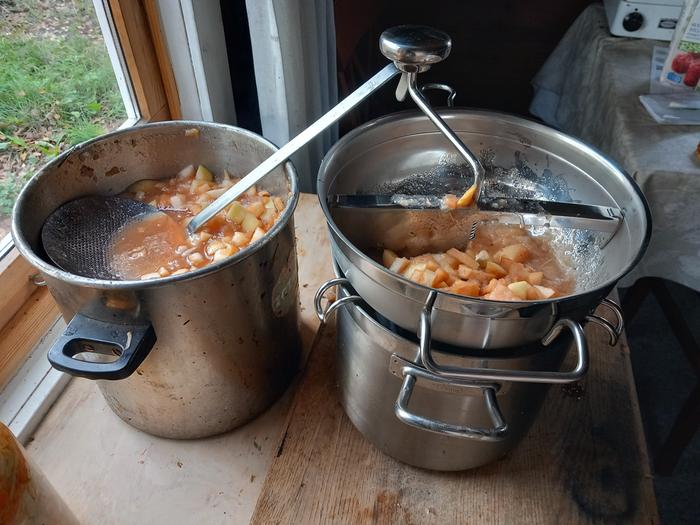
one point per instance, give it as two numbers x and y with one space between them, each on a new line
495 269
468 197
463 258
545 292
186 172
259 233
388 258
441 276
257 208
399 264
236 212
464 272
482 258
431 265
449 202
240 238
417 276
470 288
250 223
203 174
535 277
515 252
519 289
269 216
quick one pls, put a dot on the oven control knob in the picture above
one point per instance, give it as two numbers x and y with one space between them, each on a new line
633 21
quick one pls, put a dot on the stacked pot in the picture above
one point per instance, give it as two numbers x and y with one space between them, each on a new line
450 382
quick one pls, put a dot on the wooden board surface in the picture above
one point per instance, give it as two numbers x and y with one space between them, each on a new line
110 473
584 461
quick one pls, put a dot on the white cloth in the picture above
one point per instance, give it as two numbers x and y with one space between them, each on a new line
293 45
589 88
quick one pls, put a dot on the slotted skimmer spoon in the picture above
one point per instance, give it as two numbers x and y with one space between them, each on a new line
79 241
80 236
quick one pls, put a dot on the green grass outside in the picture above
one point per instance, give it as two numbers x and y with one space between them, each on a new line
53 94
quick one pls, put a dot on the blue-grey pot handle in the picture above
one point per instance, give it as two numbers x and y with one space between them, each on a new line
131 343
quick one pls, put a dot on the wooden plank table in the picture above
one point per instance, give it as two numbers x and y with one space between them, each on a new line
584 461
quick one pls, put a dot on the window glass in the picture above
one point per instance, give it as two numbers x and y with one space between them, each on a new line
57 87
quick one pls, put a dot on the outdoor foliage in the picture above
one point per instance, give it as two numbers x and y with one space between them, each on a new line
56 90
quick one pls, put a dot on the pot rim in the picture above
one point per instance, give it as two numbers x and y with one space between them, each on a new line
55 272
410 287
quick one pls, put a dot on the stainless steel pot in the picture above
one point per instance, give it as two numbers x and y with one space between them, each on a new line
430 418
403 153
196 354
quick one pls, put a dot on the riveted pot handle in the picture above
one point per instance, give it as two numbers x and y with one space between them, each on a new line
614 330
86 336
494 374
498 432
325 313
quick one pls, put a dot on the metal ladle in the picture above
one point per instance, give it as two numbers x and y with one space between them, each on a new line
412 49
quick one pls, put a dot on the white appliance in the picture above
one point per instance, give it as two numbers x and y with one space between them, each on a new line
655 19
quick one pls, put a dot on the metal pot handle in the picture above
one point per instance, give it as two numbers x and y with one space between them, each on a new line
486 374
131 343
410 372
614 330
451 93
323 314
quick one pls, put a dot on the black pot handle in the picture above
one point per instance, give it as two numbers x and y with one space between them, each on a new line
84 335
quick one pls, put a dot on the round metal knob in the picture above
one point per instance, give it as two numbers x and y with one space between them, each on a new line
414 48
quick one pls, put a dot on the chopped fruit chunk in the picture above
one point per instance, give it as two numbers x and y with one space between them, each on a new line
236 212
388 258
259 233
399 264
495 269
515 252
468 198
535 277
464 258
503 263
257 208
464 272
482 258
204 174
519 289
471 288
250 223
449 201
545 292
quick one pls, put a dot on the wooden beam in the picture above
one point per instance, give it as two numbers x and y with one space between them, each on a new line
16 284
146 58
24 330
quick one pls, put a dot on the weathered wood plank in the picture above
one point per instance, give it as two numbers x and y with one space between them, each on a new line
584 461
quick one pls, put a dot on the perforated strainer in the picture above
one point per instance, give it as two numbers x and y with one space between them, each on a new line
79 236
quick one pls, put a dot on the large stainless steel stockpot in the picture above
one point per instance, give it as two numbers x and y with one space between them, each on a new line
403 153
429 417
199 353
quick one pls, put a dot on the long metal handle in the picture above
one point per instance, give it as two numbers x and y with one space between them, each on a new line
293 146
451 93
498 432
487 374
463 150
614 330
323 314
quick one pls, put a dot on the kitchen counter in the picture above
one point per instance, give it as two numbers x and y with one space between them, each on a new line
302 461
